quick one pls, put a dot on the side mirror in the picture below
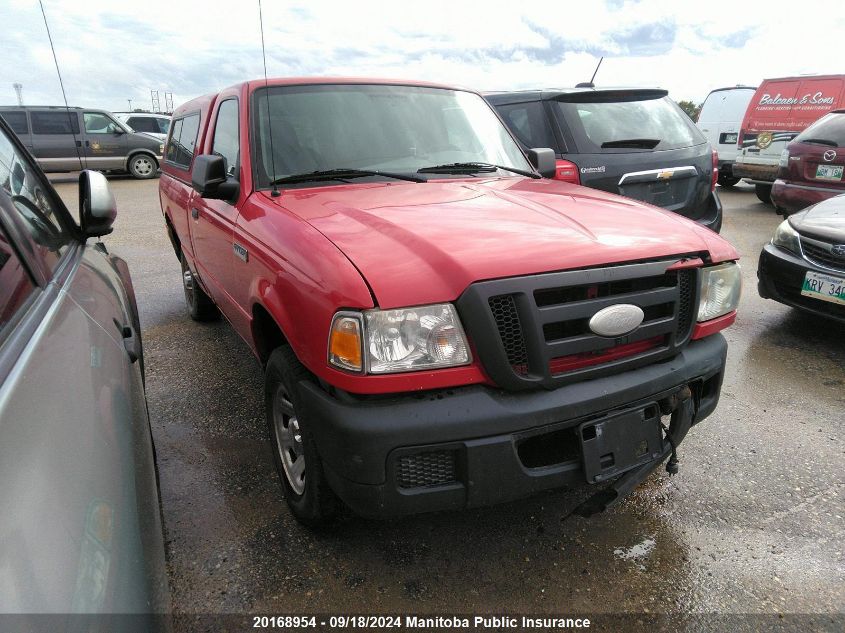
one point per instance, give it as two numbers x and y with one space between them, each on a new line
97 208
119 131
543 160
209 178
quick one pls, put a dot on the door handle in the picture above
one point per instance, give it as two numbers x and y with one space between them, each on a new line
195 213
131 342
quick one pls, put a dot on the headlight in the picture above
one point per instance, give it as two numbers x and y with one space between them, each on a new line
161 148
786 237
408 339
720 289
784 159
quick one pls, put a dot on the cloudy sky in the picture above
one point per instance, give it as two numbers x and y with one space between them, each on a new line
113 51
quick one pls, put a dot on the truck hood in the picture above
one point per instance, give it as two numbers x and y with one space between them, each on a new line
425 243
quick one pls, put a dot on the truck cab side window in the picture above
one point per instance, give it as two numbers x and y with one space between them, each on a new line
226 138
183 141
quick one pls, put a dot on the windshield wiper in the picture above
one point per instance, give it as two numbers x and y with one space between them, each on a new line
638 143
471 168
342 174
820 141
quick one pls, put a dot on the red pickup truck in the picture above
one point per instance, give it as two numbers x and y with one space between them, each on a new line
440 326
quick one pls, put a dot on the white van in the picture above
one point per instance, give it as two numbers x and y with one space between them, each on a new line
720 120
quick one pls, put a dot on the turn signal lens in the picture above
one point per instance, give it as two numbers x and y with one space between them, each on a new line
345 342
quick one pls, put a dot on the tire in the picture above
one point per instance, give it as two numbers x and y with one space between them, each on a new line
143 166
309 497
727 181
200 306
764 193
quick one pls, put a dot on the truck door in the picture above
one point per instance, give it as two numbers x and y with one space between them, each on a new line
104 142
213 221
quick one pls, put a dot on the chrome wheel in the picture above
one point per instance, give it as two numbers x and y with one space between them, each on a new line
143 167
289 440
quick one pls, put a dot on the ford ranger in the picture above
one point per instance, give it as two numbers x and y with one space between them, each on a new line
440 326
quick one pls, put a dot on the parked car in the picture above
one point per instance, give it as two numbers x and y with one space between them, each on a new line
69 139
780 110
634 142
804 265
156 125
440 327
80 526
811 167
719 120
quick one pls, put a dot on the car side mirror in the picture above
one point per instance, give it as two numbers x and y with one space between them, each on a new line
119 131
97 209
543 160
209 178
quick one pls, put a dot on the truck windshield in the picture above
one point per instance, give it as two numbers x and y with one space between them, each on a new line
399 129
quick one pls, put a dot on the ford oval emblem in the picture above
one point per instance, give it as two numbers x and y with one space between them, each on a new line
617 320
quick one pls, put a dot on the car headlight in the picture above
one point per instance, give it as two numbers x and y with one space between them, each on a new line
787 238
784 159
161 148
391 341
720 290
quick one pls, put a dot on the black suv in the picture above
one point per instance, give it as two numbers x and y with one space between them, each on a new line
634 142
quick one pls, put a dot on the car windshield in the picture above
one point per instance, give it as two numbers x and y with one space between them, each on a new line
163 125
624 125
398 129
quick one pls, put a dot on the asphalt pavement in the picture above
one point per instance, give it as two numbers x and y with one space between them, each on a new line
753 523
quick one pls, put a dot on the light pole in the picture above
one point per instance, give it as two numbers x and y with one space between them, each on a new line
130 104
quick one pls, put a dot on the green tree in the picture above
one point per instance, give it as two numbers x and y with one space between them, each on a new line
690 108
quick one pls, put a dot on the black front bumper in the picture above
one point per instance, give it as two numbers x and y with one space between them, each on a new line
485 430
780 276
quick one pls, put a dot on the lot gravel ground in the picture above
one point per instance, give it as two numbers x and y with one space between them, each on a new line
752 524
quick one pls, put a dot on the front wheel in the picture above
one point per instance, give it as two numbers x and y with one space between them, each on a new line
298 464
764 193
142 166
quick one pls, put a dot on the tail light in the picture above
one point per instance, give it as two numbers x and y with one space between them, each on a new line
715 170
567 171
739 138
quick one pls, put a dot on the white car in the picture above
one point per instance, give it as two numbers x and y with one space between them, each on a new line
156 125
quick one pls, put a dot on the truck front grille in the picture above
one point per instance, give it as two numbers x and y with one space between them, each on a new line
423 470
821 254
510 331
534 331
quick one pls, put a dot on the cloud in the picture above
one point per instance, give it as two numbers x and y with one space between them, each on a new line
112 52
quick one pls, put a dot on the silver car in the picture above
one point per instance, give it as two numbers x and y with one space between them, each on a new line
80 525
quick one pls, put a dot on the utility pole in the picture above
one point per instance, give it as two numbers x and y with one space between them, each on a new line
156 103
130 104
19 89
168 102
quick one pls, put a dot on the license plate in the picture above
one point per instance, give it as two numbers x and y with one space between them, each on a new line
824 287
617 443
829 172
